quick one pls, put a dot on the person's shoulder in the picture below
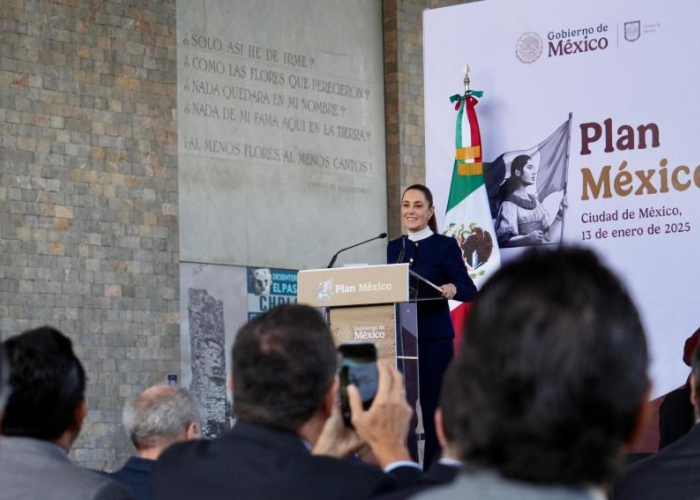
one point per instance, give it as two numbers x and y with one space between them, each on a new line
434 239
111 490
190 466
188 450
635 479
507 208
134 470
32 468
659 468
393 249
312 476
440 238
442 241
84 483
679 395
355 470
331 465
528 202
687 446
396 242
462 486
362 480
490 485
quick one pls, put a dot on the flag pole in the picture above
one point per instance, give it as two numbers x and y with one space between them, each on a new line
566 173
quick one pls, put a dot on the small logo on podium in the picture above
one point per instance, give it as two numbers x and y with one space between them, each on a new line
324 290
344 334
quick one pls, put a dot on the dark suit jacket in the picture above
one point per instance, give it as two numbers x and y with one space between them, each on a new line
670 474
439 260
256 462
676 416
135 475
437 474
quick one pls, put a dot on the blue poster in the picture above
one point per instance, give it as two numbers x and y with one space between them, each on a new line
268 287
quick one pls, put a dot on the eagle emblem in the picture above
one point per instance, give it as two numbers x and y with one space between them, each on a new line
476 244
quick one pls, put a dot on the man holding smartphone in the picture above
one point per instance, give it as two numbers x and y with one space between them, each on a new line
289 436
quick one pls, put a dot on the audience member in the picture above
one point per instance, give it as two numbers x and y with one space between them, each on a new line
676 414
42 419
285 402
159 417
552 379
671 473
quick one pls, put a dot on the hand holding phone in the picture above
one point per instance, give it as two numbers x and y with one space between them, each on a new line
336 439
384 426
358 367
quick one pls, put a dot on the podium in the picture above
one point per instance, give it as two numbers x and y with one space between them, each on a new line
374 304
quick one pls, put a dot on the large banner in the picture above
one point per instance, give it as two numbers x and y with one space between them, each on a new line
589 123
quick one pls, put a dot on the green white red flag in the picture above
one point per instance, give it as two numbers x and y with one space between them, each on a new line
468 215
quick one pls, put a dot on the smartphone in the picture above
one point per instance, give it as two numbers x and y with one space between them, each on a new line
358 366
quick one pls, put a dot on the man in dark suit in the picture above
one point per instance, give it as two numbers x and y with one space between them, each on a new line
552 381
288 423
42 419
676 413
159 417
671 473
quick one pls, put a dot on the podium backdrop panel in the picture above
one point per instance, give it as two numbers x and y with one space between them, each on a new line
375 324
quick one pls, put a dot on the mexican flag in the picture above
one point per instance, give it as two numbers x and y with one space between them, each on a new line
468 215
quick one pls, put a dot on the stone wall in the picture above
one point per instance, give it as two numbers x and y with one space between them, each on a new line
89 194
89 186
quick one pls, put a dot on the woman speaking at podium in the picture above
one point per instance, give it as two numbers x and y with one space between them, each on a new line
438 259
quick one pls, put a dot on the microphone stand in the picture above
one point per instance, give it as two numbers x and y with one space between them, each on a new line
335 257
403 250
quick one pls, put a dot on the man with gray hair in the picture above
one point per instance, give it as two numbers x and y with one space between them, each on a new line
158 417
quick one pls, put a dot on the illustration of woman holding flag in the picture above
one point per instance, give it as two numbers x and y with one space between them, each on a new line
522 220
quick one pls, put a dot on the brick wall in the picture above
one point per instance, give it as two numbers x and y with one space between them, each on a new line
403 88
88 194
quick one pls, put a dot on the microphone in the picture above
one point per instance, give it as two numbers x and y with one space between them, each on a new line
403 250
330 264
